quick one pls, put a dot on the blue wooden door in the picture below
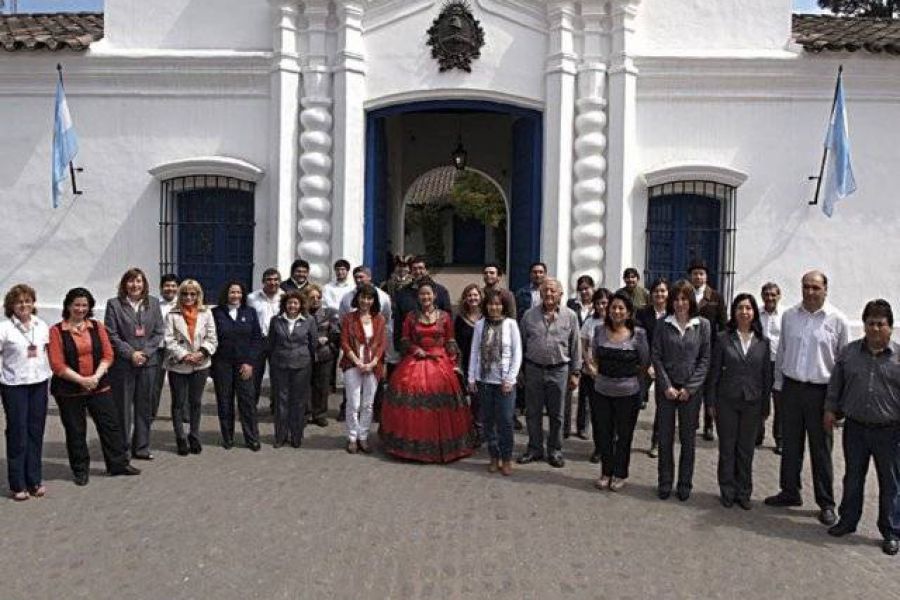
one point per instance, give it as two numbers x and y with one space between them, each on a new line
215 237
680 229
524 238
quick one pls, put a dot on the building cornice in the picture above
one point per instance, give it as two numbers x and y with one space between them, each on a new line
225 166
693 171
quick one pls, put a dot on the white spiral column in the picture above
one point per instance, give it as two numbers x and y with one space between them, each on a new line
314 223
589 190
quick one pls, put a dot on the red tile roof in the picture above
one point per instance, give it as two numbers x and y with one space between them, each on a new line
75 31
819 33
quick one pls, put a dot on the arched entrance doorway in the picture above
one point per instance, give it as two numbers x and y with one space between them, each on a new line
503 143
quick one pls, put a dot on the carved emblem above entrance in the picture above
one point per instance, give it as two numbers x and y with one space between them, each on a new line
456 37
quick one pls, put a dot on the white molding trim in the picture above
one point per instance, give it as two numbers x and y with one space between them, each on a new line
454 94
693 171
225 166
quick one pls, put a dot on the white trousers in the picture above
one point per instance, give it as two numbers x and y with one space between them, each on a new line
360 388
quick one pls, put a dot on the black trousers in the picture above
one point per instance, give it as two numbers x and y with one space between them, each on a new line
187 396
771 407
73 413
321 389
616 421
228 383
737 423
862 443
291 390
688 415
802 408
259 370
582 397
133 389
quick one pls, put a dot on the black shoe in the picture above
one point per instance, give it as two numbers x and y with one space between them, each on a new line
743 503
581 435
726 501
708 434
841 529
556 460
127 470
782 499
296 444
142 456
529 457
890 547
595 458
320 422
517 424
827 517
663 494
182 447
195 446
81 479
567 435
255 446
759 441
277 444
228 444
683 495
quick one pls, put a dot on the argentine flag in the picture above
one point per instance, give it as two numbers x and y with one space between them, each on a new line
65 143
839 181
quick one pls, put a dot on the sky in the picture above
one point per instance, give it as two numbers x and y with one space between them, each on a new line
26 6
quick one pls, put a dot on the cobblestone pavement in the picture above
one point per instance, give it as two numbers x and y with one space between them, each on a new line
320 523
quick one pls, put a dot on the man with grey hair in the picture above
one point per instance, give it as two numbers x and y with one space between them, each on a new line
812 334
552 351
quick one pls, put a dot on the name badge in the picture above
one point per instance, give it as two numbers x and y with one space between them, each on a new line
139 331
32 351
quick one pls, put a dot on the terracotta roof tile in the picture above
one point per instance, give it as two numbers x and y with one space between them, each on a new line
817 33
75 31
433 187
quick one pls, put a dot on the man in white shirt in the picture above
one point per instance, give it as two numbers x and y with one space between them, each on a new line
333 292
267 303
770 316
168 289
812 335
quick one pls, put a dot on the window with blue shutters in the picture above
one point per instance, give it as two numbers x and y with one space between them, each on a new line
206 230
688 220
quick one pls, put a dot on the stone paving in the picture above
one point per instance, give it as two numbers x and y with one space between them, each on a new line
320 523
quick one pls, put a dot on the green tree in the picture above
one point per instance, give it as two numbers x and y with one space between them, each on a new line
476 197
885 9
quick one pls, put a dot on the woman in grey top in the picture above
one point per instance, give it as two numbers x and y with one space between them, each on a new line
621 357
681 346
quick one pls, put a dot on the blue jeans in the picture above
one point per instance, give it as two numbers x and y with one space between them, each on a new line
26 414
497 410
883 444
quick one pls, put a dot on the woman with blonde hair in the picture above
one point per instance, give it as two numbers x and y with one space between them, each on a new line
191 341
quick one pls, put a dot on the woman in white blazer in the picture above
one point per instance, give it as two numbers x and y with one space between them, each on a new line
190 343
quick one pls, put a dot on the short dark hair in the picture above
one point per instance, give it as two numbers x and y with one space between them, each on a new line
73 295
367 289
584 279
342 262
269 272
505 300
223 293
362 269
299 263
755 325
418 259
630 271
13 295
296 295
133 273
537 264
658 282
878 309
493 265
769 285
168 277
629 306
600 294
680 288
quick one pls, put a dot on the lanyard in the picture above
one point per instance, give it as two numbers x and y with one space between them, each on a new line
19 327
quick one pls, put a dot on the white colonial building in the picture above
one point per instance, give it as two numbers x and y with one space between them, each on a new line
222 137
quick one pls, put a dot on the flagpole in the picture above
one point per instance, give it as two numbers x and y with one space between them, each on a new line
72 168
818 178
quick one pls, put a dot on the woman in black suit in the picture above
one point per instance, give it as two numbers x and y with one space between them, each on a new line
740 382
240 344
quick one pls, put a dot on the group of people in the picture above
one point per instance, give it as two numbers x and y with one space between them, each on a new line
441 385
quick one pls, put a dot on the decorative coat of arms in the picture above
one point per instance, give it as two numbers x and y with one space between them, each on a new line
456 37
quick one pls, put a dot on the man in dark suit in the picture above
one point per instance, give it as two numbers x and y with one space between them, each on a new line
530 295
299 278
712 308
407 299
135 325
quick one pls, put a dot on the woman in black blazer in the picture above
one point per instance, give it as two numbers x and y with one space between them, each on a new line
647 317
240 343
292 348
740 382
681 345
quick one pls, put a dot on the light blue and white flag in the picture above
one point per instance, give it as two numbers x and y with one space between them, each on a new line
65 143
839 181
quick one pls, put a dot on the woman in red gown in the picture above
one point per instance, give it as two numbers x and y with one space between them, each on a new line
425 416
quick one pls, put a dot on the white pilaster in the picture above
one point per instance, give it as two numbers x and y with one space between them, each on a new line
285 81
349 132
559 116
589 190
314 224
623 149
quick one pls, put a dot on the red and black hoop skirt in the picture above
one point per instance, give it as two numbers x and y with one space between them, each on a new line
425 416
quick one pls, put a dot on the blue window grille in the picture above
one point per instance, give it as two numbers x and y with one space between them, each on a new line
206 230
688 220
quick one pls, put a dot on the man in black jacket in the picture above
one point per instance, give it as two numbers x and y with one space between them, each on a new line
407 298
712 308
